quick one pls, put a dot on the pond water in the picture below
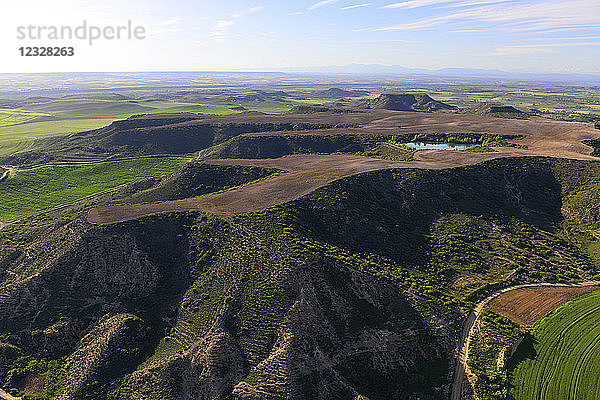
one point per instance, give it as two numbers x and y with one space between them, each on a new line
438 146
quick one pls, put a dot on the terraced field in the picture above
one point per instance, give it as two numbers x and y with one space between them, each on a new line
562 360
14 116
35 190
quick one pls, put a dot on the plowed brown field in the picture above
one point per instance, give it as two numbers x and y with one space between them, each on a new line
528 305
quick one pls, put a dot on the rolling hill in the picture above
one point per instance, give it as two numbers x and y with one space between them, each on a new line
499 110
337 93
352 291
407 102
159 134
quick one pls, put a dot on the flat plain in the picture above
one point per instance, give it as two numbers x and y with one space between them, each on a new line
20 128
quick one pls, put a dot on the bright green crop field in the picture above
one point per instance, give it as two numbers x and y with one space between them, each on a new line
563 361
40 189
19 129
10 116
15 138
124 110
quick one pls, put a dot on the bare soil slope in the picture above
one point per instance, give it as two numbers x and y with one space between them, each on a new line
309 172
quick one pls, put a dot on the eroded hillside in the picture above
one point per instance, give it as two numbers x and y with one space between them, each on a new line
356 289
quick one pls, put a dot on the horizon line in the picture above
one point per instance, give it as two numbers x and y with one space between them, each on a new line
321 70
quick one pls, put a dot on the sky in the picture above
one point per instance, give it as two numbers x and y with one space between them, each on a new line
274 35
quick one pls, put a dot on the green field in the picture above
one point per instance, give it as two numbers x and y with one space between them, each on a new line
562 361
19 129
36 190
21 137
10 116
127 109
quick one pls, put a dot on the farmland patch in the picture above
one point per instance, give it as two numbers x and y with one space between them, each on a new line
561 358
35 190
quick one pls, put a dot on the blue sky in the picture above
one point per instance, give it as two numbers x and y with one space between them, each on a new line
536 35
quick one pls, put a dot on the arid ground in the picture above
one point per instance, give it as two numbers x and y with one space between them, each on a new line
307 172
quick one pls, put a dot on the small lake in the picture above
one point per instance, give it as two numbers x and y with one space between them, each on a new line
438 146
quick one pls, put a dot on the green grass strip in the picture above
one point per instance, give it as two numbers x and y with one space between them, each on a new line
32 191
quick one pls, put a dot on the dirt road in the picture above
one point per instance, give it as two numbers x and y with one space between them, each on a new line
305 174
9 171
7 396
465 339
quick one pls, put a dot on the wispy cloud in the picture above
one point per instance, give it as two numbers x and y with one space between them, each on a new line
554 39
444 3
321 4
170 22
171 25
519 51
218 33
420 24
389 41
475 3
248 11
221 26
415 3
357 6
570 28
542 15
468 30
540 48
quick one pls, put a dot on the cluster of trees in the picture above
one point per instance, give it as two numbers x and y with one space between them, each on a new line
496 333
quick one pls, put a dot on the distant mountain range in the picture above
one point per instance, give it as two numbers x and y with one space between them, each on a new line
72 83
397 70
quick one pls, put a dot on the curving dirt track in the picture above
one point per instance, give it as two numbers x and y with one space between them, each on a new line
8 172
308 172
305 174
465 338
7 396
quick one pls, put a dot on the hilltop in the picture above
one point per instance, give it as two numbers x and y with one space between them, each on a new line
407 102
337 93
499 110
